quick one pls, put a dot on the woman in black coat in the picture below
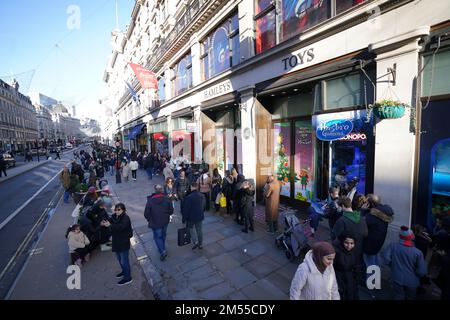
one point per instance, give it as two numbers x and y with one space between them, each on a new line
346 266
121 231
246 202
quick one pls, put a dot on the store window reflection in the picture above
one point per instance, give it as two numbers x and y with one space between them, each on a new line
441 179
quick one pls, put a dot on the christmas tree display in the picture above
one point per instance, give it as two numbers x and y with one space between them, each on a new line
283 169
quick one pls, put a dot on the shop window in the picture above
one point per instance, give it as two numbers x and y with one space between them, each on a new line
303 161
282 156
297 16
288 18
435 75
293 106
162 89
441 179
343 92
182 80
265 29
343 5
220 50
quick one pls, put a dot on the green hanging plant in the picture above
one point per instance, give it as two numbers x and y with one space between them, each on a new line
388 109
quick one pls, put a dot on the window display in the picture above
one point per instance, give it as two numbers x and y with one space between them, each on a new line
441 179
350 139
161 143
299 15
183 75
304 169
266 32
220 50
183 144
282 161
342 5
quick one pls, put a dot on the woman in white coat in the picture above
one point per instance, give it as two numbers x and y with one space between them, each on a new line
315 278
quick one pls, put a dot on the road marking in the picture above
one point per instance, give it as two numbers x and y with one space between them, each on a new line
15 213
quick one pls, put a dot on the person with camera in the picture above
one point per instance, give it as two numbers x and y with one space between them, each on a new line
121 231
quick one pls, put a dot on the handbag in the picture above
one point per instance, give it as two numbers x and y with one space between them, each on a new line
223 201
184 237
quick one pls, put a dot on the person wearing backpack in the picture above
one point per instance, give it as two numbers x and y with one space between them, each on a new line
121 231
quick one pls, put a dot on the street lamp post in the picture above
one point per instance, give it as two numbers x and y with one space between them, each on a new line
117 164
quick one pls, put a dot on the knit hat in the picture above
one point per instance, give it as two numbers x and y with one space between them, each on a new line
406 236
91 190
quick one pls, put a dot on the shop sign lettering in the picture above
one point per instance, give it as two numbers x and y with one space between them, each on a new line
298 58
217 90
334 129
354 137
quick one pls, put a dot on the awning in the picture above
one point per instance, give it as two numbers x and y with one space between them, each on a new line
135 131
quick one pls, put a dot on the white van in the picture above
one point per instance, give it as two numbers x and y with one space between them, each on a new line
69 145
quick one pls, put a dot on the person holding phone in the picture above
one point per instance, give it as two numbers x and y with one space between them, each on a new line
121 231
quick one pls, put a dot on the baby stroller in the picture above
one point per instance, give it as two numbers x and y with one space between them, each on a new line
294 239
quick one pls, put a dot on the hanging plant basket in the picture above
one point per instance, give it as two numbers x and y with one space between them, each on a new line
389 109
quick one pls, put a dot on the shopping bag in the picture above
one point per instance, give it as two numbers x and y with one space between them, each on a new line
183 237
223 201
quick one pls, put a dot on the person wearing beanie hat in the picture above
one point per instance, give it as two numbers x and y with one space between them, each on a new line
315 278
407 265
90 197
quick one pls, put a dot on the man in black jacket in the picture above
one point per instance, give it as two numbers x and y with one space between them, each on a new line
157 212
247 194
377 220
193 215
149 165
120 226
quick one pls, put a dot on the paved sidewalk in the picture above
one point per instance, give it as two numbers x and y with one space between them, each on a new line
45 275
232 265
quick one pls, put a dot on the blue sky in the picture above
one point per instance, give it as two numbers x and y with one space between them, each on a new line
73 70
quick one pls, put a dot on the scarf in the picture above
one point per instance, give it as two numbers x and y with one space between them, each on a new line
320 250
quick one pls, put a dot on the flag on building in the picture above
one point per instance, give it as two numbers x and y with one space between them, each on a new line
133 93
146 77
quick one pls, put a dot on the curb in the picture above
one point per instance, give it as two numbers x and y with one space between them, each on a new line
153 276
29 169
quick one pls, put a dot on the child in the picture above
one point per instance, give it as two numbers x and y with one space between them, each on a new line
407 265
346 266
78 245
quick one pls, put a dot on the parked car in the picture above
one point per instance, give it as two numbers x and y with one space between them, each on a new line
9 159
69 145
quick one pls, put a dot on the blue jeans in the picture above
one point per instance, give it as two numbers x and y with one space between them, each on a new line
111 170
195 229
159 235
404 292
66 196
150 173
124 264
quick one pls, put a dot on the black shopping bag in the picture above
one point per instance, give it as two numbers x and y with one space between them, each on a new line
183 237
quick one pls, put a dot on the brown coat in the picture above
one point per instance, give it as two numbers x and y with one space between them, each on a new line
64 177
273 201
